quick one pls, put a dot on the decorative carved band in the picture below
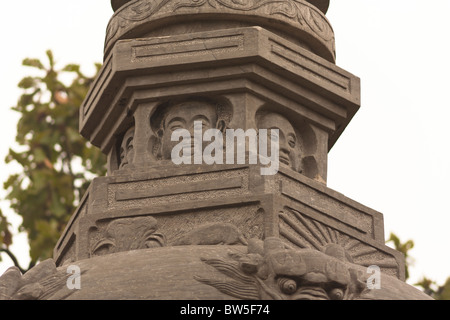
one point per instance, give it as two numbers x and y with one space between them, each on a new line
130 19
182 188
179 48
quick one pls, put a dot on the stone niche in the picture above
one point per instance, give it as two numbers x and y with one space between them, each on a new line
248 71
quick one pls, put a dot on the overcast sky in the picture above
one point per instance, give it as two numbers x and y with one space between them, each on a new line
394 156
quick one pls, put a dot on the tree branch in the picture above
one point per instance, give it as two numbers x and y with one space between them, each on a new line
13 258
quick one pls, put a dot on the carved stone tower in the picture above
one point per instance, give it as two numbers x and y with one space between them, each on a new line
155 229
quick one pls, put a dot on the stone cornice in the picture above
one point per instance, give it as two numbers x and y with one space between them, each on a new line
302 20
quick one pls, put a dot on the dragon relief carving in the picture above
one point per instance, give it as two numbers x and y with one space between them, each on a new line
272 270
39 283
300 12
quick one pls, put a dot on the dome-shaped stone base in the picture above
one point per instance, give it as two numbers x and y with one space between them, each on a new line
205 273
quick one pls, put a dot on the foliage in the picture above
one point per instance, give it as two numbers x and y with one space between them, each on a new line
57 163
428 286
5 233
437 292
403 248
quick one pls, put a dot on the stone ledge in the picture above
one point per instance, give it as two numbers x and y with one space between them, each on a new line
303 212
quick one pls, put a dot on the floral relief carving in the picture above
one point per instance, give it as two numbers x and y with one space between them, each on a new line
128 234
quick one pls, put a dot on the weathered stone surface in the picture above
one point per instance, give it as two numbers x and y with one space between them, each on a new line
218 273
36 283
10 282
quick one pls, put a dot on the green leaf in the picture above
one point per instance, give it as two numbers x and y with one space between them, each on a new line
72 68
39 155
36 63
27 83
50 57
5 233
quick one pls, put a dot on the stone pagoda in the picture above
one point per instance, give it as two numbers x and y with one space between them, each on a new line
156 229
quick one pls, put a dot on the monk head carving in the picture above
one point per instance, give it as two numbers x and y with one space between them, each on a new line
126 151
183 115
289 142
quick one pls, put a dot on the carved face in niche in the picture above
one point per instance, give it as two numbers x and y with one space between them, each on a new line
126 151
288 140
183 116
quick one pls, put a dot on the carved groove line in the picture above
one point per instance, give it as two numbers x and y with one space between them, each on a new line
169 50
298 60
218 184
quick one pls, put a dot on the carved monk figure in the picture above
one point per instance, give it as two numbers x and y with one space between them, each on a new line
289 144
183 116
126 149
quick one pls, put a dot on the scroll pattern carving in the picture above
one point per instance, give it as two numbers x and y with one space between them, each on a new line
300 13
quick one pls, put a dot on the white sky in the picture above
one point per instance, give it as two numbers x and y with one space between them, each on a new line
393 157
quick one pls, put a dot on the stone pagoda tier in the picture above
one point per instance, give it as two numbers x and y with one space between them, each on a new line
154 229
